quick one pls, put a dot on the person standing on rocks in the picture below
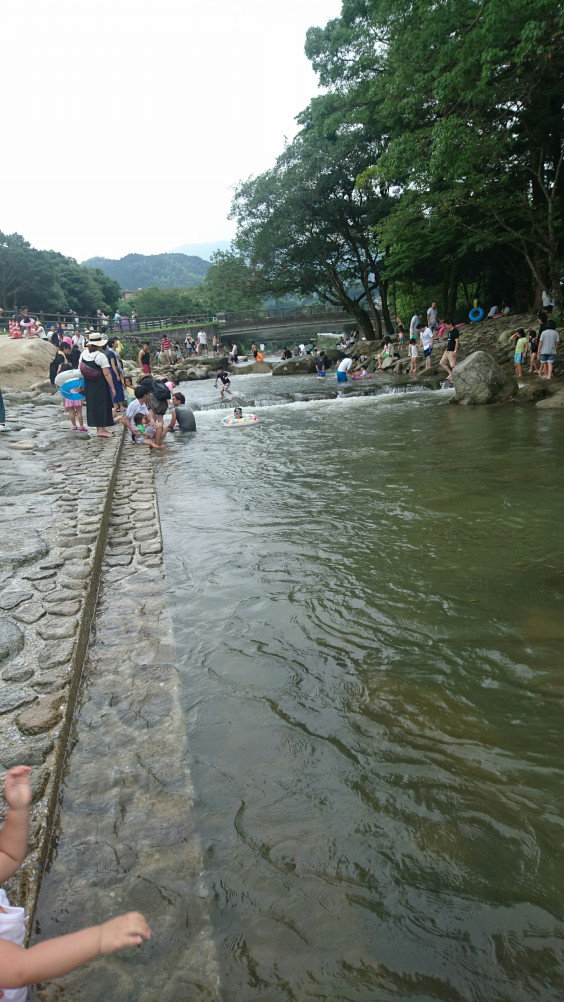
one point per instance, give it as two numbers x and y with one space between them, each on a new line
416 319
521 346
448 361
426 342
20 967
548 346
202 342
144 359
98 386
432 317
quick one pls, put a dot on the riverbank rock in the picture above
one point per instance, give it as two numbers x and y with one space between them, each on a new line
24 361
554 402
479 379
295 366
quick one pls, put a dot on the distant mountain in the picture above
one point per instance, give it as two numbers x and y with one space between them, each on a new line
204 250
166 271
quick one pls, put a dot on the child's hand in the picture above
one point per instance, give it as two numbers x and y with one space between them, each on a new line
17 791
125 930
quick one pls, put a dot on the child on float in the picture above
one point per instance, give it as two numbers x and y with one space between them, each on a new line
73 407
54 957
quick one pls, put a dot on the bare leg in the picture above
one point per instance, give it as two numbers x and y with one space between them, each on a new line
159 434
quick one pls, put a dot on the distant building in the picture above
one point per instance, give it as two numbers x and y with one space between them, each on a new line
129 293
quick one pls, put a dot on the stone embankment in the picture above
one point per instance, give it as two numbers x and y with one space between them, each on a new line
127 812
56 487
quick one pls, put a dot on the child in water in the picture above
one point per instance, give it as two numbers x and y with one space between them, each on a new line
20 967
144 434
238 412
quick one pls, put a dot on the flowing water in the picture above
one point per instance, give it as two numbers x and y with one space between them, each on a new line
368 597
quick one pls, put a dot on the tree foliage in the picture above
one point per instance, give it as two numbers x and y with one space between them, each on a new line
306 225
433 162
155 302
50 282
473 97
231 284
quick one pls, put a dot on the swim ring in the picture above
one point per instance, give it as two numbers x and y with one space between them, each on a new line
70 384
357 375
243 422
476 314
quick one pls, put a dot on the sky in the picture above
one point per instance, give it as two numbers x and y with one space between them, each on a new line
127 124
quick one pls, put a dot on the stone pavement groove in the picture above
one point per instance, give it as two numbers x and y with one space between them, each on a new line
126 827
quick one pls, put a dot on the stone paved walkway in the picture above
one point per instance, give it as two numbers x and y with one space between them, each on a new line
126 830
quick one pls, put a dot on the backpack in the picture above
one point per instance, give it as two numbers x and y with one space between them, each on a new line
160 390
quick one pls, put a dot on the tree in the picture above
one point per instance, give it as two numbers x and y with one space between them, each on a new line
26 274
476 130
155 302
231 284
307 227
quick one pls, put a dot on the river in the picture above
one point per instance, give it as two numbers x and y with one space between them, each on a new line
367 597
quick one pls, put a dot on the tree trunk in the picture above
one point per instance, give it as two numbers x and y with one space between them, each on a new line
385 308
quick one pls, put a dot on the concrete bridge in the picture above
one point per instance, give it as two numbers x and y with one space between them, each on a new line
282 324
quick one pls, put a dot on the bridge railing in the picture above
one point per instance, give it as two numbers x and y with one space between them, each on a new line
148 324
277 313
112 325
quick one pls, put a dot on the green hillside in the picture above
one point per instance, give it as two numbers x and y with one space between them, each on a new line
166 271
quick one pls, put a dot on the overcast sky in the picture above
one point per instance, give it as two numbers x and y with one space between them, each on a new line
126 124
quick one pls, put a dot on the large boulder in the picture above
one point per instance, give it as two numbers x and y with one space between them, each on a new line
479 379
295 366
262 367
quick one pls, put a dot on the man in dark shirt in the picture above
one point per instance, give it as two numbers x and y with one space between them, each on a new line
451 350
223 376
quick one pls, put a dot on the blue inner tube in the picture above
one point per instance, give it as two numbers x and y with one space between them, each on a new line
476 314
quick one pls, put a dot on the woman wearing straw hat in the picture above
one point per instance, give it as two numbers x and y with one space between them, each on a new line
98 386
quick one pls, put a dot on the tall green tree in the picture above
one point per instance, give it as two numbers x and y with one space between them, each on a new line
231 284
473 97
308 228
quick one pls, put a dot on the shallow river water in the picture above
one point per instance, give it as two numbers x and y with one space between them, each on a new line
368 598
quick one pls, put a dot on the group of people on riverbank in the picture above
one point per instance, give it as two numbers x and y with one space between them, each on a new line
542 343
109 395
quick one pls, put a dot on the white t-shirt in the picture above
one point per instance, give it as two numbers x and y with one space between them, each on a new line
344 365
426 337
135 408
202 337
414 351
413 324
431 316
95 356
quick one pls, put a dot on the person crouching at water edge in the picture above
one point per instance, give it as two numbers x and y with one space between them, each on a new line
20 967
223 376
343 367
182 417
